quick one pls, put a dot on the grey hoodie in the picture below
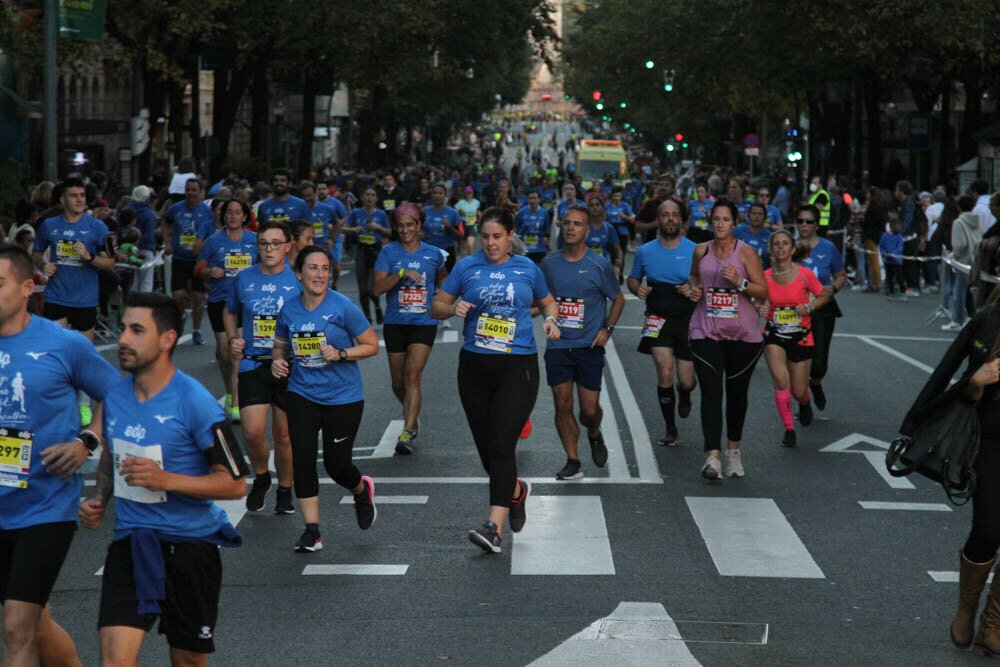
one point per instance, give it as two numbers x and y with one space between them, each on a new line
965 237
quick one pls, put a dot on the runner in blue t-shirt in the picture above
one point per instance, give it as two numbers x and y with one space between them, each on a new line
532 226
170 453
42 366
370 226
259 293
665 265
774 220
281 207
339 219
825 261
319 338
408 272
493 291
441 224
179 230
75 241
601 236
755 233
701 210
582 282
223 255
622 218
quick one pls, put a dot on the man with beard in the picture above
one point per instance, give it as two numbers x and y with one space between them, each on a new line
646 219
665 264
281 206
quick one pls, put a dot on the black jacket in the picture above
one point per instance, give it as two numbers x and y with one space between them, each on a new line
975 342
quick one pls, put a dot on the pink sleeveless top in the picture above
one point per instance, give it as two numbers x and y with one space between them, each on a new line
723 313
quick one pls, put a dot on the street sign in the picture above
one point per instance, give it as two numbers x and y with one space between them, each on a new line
751 140
751 152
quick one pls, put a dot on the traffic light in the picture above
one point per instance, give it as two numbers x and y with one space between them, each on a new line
670 148
679 137
684 145
597 95
668 80
622 105
566 96
600 107
650 64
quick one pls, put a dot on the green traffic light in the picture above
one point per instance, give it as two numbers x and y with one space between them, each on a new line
600 107
622 105
650 64
668 87
684 145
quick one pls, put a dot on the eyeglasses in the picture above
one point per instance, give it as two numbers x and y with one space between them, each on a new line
763 194
270 245
805 221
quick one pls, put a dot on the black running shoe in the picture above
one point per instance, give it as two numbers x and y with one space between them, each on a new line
283 505
255 499
684 404
308 543
404 444
805 414
670 439
518 514
789 439
486 538
819 398
364 504
598 450
571 470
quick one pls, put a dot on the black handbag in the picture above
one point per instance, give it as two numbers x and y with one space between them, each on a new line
943 448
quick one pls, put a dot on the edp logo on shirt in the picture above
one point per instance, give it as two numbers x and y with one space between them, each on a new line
4 359
136 432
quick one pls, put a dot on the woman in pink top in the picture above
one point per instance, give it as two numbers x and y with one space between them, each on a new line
793 293
725 334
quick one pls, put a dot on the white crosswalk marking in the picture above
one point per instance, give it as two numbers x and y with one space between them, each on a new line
390 500
563 535
925 507
750 537
356 569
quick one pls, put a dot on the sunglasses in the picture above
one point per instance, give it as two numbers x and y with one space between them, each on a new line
805 221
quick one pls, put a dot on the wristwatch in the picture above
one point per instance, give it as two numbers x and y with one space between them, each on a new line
610 329
89 440
343 354
744 285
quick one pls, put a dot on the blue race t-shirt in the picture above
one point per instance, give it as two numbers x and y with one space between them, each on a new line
409 302
359 217
230 256
602 239
502 294
581 288
260 297
336 321
756 241
75 282
321 216
339 213
289 211
173 428
660 264
185 224
532 227
41 369
824 261
773 215
435 232
615 217
145 221
699 212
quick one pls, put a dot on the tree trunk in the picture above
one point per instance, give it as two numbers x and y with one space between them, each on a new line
972 117
873 97
259 117
228 91
944 133
308 126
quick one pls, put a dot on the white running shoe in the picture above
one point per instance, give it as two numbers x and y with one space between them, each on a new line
712 469
734 467
952 327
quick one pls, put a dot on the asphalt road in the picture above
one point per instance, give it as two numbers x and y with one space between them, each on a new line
783 567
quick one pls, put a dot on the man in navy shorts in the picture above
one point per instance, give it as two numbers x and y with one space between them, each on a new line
582 283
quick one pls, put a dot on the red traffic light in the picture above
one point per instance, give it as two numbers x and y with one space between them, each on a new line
546 97
597 95
679 137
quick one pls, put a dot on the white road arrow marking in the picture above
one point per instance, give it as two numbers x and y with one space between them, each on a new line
876 458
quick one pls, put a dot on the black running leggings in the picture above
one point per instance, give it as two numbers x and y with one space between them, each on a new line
498 392
823 322
733 360
984 538
364 269
339 424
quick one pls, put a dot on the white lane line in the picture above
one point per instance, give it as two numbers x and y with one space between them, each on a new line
635 633
910 338
356 569
564 535
486 480
617 466
925 507
644 457
877 459
449 336
235 509
750 537
100 572
114 346
390 500
947 577
387 445
896 353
